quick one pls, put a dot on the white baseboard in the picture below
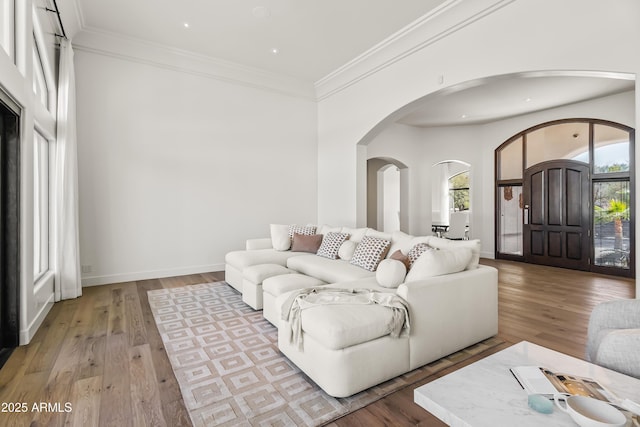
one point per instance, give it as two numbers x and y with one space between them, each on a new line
153 274
489 255
27 334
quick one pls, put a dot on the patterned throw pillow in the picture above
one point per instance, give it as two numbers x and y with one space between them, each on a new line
331 243
305 230
416 251
369 252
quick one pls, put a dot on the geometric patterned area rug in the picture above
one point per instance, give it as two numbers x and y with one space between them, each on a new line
226 360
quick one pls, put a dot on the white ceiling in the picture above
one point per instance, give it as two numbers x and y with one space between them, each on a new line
503 97
315 37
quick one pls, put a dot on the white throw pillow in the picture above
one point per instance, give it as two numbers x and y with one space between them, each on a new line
280 239
355 234
439 262
390 273
400 241
474 245
347 249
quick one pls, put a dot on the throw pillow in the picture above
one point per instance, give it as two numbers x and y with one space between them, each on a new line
331 245
474 245
416 251
302 243
438 263
399 256
280 239
347 249
390 273
305 230
369 252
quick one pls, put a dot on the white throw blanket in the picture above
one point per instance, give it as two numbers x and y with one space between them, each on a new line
310 297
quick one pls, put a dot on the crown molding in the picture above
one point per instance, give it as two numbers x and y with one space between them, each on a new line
447 19
132 49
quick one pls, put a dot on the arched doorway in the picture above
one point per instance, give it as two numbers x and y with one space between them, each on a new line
565 196
387 196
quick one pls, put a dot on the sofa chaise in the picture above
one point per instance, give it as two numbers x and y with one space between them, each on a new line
452 303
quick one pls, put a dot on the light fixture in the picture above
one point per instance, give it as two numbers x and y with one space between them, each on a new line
275 50
527 100
186 25
464 116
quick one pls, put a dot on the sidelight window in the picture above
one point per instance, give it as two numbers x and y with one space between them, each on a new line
41 175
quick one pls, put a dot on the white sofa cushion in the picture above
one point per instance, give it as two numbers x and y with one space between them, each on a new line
355 234
328 270
278 285
280 237
439 262
339 326
474 245
257 273
378 234
391 273
242 259
400 241
325 228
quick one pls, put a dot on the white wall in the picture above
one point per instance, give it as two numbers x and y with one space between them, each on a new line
177 169
466 42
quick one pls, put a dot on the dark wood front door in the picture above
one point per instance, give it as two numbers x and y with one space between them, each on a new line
557 214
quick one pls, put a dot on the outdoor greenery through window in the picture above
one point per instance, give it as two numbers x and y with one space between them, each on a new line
611 216
459 192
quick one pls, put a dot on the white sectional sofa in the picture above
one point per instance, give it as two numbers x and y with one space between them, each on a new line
347 348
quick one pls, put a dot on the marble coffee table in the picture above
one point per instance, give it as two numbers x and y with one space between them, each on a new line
485 393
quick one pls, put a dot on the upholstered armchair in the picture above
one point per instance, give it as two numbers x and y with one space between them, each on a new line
613 339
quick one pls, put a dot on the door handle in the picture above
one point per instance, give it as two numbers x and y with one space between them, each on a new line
526 214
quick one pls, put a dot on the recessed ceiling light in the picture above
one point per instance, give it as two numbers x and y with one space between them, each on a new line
527 100
275 50
464 116
186 25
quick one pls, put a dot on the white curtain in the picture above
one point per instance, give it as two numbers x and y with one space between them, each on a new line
68 281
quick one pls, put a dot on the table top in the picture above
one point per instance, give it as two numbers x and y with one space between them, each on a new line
485 393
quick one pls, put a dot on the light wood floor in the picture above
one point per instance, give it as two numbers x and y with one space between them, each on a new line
102 352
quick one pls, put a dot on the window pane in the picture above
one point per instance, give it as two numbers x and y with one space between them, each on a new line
563 141
7 27
611 213
510 233
459 192
39 82
611 149
40 205
511 161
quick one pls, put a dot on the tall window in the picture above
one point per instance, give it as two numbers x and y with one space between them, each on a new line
459 192
7 27
39 81
41 175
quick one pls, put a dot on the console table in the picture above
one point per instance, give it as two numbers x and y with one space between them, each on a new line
485 393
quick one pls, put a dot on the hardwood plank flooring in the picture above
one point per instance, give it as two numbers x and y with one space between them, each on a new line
103 354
